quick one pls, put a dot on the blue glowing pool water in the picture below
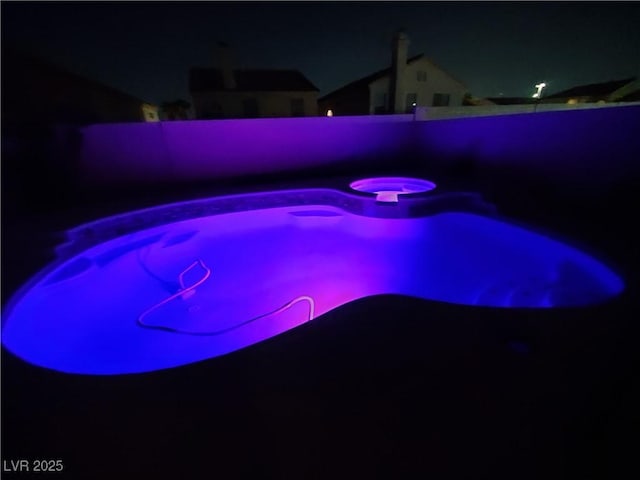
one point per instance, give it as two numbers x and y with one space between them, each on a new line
187 290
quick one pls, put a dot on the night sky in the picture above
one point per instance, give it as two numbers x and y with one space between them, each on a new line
147 48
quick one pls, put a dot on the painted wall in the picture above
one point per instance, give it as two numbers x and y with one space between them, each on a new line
437 113
196 150
270 104
591 148
379 95
367 100
437 81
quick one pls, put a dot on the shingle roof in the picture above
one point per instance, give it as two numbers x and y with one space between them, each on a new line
208 79
363 82
593 89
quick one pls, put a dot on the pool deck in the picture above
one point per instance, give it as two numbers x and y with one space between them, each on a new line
385 387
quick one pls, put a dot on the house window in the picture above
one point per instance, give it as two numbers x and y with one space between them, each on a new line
440 99
297 107
412 101
250 107
422 76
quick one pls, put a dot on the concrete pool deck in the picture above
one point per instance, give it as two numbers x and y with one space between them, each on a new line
385 387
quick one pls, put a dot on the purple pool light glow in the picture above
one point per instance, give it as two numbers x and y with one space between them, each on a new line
190 289
387 189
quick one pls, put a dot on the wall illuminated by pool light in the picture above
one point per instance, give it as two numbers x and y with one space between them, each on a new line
192 288
198 149
568 147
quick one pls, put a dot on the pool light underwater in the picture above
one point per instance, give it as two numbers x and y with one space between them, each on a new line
185 290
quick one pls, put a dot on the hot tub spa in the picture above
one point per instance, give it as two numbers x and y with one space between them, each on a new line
177 284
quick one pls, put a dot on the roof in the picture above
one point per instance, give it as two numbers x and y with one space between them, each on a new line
593 89
210 79
14 58
364 82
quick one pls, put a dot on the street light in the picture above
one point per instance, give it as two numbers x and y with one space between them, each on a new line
538 94
539 87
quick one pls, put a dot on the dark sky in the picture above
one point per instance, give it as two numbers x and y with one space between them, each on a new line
147 48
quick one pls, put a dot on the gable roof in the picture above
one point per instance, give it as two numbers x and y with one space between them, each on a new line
365 81
16 61
593 89
210 79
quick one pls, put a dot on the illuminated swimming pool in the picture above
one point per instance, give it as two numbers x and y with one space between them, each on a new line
177 284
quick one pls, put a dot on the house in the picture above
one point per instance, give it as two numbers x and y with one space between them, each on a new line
38 92
613 91
227 92
407 83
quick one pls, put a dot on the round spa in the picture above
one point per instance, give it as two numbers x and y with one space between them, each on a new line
388 189
180 283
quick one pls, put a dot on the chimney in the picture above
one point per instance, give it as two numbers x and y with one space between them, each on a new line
223 60
399 49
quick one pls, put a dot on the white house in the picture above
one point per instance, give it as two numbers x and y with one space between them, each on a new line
407 83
